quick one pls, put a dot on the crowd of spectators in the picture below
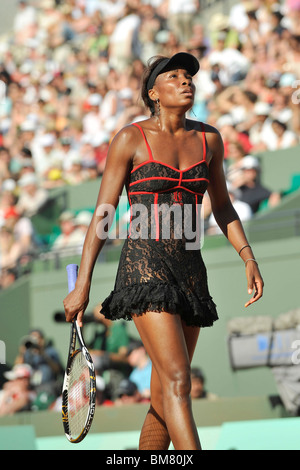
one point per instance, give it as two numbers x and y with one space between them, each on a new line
123 371
70 79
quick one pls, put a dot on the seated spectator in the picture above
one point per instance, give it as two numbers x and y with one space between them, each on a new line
101 144
82 221
260 128
284 137
243 210
231 136
109 345
127 393
5 162
42 357
74 175
8 198
139 360
7 277
198 386
21 228
236 153
10 249
17 394
32 197
69 239
250 189
67 152
48 161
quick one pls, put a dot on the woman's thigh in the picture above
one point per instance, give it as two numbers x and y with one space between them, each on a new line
169 343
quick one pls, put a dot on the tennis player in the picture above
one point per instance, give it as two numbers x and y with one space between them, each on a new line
166 162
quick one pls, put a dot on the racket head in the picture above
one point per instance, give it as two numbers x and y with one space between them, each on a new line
78 396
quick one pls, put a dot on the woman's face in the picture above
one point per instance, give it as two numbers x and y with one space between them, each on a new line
174 88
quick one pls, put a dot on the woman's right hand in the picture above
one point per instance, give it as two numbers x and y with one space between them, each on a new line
75 304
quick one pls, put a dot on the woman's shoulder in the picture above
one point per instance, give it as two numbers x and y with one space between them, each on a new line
212 134
202 127
131 131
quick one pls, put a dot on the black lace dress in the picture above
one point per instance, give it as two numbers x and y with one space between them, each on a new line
161 268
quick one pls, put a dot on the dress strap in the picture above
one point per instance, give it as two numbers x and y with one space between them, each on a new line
204 141
146 142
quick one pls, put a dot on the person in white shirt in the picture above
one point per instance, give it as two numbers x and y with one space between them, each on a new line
91 122
70 239
181 14
24 22
284 139
124 43
242 208
32 197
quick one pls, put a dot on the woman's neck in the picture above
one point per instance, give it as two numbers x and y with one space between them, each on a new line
171 122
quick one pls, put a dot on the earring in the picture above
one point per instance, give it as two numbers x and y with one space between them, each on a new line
158 107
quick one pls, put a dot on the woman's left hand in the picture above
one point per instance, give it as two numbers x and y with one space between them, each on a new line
255 282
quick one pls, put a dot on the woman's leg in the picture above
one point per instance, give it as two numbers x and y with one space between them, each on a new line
166 339
154 434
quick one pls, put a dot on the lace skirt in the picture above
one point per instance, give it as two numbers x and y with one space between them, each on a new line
161 276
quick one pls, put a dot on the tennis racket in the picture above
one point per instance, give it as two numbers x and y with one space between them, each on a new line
79 387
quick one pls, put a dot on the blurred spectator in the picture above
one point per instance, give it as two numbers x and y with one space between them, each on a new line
181 16
243 210
82 221
24 22
127 394
10 250
42 357
142 367
124 41
236 154
236 143
17 394
198 386
92 120
109 345
22 230
31 197
284 138
69 239
48 161
8 277
5 162
250 189
68 154
74 175
8 198
261 131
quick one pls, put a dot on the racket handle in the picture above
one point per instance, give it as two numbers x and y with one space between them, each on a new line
72 271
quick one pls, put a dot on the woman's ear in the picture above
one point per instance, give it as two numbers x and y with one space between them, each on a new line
153 95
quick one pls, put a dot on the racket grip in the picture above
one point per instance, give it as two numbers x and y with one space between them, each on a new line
72 272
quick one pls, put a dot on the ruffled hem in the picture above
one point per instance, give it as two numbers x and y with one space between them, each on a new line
159 297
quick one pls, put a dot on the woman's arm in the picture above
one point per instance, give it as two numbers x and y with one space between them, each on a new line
227 218
118 165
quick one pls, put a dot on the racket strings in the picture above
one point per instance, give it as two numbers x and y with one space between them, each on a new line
78 395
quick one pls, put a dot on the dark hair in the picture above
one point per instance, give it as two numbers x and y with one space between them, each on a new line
151 65
280 123
197 373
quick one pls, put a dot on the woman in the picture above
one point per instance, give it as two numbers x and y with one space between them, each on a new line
161 282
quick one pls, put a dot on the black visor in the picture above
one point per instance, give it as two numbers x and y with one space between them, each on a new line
181 60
